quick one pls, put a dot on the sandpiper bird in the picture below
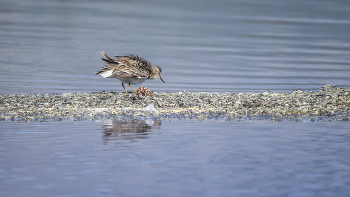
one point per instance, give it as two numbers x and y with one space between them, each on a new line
129 69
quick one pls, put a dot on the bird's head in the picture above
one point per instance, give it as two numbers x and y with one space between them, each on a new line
156 72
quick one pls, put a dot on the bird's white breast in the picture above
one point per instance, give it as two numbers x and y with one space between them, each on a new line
132 80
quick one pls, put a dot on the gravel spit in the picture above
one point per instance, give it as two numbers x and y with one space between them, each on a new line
328 104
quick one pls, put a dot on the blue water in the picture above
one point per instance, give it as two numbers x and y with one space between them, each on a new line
175 158
227 46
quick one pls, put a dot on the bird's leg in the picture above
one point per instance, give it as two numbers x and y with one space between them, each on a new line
132 88
125 88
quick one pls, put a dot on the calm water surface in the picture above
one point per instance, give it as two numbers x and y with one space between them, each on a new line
177 158
228 46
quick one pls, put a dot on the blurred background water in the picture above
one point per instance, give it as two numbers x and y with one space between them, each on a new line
227 46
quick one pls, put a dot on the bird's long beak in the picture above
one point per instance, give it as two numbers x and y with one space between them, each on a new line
161 79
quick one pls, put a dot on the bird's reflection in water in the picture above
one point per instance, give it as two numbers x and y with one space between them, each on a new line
128 130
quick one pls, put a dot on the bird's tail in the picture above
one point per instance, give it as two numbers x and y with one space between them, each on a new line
109 68
106 72
108 59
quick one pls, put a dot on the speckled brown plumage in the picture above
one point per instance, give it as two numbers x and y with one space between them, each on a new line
130 69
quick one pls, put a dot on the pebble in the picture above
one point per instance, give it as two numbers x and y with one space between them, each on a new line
330 103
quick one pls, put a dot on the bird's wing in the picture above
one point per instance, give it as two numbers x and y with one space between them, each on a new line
133 60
